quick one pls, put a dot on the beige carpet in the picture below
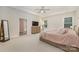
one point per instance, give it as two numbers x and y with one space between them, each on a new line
27 44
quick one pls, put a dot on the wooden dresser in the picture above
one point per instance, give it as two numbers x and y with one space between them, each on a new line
35 29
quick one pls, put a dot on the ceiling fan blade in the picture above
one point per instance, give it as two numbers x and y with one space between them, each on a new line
37 9
47 9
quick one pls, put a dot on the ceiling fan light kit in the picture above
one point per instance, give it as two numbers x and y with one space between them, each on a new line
42 11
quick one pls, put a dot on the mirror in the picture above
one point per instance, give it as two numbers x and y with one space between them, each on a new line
4 31
0 30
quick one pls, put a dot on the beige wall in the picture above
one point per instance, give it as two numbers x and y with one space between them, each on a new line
13 16
54 21
77 16
57 21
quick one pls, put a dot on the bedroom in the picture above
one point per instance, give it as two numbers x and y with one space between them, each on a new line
48 17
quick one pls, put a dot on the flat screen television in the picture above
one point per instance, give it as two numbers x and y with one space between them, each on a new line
35 23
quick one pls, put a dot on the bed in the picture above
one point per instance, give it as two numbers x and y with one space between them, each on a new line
65 39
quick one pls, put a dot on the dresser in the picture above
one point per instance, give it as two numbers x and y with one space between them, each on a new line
35 29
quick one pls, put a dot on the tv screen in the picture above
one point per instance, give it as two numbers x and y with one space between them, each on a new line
34 23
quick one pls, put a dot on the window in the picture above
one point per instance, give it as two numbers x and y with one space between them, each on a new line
67 22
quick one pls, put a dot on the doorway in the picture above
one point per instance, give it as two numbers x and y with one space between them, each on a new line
22 26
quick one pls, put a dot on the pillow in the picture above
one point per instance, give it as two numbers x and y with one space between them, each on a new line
63 31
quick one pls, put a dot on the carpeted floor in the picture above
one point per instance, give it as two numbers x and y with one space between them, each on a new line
27 44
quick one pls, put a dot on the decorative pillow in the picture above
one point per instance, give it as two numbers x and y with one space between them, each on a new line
63 31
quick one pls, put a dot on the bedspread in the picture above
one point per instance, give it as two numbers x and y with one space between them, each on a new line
70 38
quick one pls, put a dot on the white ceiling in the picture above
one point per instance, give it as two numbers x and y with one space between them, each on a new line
53 9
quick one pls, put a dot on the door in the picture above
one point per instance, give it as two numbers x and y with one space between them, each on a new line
22 26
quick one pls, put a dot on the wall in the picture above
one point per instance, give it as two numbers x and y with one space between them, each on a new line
13 15
77 16
54 21
57 21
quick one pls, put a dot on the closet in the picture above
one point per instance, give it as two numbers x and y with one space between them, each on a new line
4 31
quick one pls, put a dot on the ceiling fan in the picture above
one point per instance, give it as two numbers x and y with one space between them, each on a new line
42 9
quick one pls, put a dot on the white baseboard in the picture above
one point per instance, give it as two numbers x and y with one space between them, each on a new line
14 36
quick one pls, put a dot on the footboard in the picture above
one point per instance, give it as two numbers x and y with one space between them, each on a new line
63 47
